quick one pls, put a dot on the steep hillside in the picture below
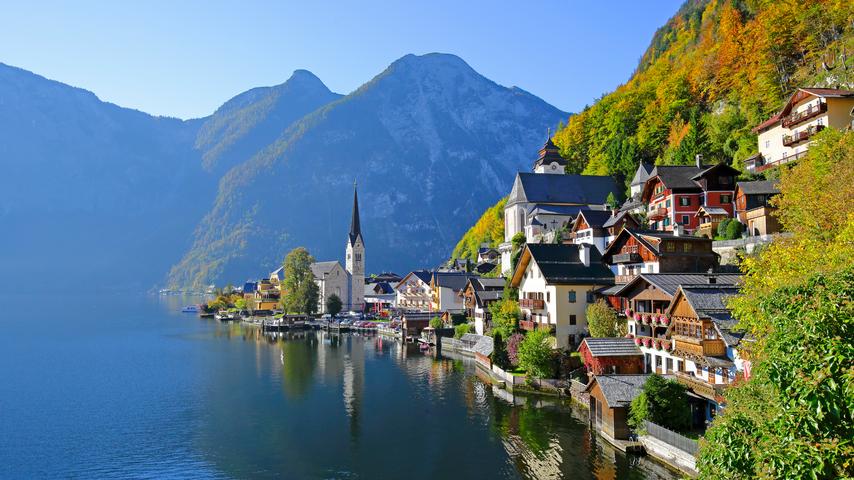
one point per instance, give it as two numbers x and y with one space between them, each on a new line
430 142
488 229
89 189
254 119
714 71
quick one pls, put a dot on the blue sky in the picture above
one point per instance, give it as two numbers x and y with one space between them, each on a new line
185 58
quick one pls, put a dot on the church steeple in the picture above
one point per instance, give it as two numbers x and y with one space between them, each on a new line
355 226
549 159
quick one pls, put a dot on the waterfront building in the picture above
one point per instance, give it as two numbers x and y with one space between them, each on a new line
379 297
610 398
611 355
556 282
414 293
478 294
787 135
266 296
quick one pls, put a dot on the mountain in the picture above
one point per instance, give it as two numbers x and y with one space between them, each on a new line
254 119
431 143
89 190
711 73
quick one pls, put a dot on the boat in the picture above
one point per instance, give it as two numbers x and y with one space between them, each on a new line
190 309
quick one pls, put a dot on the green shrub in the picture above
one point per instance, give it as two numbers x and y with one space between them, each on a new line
463 329
436 322
663 402
535 354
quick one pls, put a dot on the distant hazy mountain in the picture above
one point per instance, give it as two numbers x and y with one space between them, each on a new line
431 143
96 196
254 119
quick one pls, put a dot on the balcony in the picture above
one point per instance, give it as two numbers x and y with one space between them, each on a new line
699 386
802 136
656 214
530 325
532 303
626 257
700 347
622 279
803 116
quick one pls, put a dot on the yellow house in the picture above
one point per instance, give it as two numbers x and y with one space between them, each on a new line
786 136
556 283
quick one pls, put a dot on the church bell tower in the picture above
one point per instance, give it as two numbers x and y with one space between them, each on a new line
356 258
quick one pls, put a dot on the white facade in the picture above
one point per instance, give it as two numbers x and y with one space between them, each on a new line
356 269
553 168
331 279
413 294
587 236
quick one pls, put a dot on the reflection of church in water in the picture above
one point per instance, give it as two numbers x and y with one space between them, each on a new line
344 358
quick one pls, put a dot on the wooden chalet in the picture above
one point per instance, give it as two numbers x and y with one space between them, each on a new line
611 355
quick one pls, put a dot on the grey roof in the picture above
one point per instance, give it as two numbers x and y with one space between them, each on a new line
489 283
276 271
642 237
721 165
713 210
614 219
483 296
485 267
423 275
454 280
562 210
378 288
710 301
481 344
318 269
612 347
561 264
670 282
642 173
612 290
759 187
566 189
595 218
619 390
678 177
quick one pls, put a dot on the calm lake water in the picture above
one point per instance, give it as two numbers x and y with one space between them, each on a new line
131 387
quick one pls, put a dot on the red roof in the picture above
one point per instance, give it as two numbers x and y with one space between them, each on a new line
767 123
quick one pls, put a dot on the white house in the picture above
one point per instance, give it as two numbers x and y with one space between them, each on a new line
447 289
413 292
556 283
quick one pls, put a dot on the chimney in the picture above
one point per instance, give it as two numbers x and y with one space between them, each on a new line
713 279
678 230
699 159
584 253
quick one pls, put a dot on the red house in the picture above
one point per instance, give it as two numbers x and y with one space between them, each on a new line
675 193
611 355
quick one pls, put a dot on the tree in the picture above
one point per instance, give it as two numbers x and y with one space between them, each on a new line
602 320
333 305
517 242
535 353
301 291
793 417
499 352
663 402
611 201
505 316
436 322
463 329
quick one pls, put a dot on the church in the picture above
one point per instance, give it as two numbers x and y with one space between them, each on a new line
348 283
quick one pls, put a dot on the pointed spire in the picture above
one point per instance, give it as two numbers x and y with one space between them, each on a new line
355 226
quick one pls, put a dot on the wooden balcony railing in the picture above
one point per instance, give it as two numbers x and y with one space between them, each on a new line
626 257
801 136
701 347
803 116
656 214
700 386
622 279
532 303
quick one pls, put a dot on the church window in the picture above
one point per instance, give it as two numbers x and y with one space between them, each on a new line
358 257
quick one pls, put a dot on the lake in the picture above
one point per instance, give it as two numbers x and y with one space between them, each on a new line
114 386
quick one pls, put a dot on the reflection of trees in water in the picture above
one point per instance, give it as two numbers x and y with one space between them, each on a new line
298 365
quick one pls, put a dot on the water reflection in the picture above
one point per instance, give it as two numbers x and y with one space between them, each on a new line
357 400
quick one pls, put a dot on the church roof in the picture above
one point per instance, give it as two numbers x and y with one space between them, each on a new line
642 173
355 225
562 189
318 269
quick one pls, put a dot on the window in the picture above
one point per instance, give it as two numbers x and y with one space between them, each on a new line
548 296
669 246
669 365
571 296
767 143
725 180
687 247
572 320
358 257
684 201
667 203
726 198
590 298
666 221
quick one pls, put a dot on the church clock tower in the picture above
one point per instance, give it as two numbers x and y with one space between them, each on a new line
356 258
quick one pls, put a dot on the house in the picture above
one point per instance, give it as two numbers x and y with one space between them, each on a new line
636 251
675 193
617 222
753 207
556 282
277 276
610 398
545 200
446 289
266 296
703 336
708 221
478 294
488 254
786 136
379 297
589 227
413 323
414 293
331 279
611 355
